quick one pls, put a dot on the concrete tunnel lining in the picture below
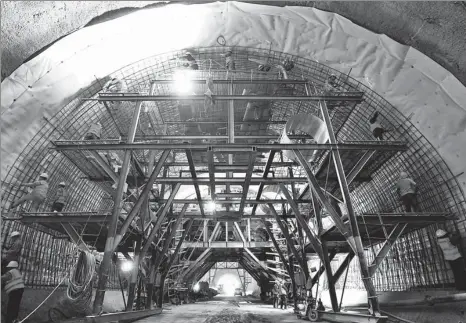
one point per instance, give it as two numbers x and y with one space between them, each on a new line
410 88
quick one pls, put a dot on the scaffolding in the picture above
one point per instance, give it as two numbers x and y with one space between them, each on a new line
223 155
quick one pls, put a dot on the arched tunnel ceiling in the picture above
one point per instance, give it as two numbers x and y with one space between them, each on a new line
419 88
435 28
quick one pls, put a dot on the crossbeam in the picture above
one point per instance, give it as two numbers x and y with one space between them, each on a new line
190 201
355 145
118 97
387 246
227 245
92 218
239 81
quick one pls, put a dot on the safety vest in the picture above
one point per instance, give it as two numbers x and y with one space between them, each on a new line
61 196
450 252
16 281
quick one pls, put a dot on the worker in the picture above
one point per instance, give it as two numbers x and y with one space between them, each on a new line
94 132
191 61
38 194
13 283
283 293
14 250
275 295
454 257
376 127
60 198
406 188
231 66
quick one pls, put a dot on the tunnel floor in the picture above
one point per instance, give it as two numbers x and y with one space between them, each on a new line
236 310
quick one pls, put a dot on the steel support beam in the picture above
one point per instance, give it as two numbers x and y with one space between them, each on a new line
142 198
192 169
274 201
266 269
343 266
75 237
240 233
112 230
345 96
106 167
397 231
160 255
236 147
159 221
288 238
247 180
355 238
202 257
239 81
214 233
325 202
210 158
134 276
228 245
315 242
322 269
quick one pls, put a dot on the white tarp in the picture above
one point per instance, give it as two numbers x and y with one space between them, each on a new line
409 80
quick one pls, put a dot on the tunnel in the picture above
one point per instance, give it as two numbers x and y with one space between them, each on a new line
162 160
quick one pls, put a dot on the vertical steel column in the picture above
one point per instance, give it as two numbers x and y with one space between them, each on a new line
205 235
134 276
231 136
117 206
249 229
372 295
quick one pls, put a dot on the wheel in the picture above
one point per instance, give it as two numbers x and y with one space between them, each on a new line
313 315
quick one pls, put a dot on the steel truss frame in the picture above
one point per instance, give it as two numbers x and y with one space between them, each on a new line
248 260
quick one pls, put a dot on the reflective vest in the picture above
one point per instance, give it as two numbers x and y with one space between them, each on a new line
61 196
450 252
16 281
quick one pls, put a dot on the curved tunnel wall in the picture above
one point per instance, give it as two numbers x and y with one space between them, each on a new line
342 50
439 191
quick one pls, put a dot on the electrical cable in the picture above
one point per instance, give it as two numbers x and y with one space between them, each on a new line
79 291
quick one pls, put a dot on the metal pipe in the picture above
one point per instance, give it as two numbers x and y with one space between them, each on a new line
141 199
112 229
239 81
365 145
346 96
356 237
183 201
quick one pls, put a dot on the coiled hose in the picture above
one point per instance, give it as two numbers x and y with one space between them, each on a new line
79 292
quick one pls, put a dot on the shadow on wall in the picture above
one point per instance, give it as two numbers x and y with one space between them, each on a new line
33 297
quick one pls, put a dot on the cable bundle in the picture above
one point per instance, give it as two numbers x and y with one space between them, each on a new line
79 290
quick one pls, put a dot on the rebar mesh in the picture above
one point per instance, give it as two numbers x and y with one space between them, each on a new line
438 187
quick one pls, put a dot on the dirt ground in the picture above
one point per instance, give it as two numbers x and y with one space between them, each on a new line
225 310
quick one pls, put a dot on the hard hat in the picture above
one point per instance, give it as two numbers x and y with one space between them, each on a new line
12 264
44 175
15 234
62 184
403 175
440 233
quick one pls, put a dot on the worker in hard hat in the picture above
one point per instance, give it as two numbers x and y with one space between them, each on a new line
454 257
406 188
61 195
94 132
282 292
376 128
12 282
13 252
38 194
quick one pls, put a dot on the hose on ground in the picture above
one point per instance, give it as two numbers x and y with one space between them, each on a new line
79 292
